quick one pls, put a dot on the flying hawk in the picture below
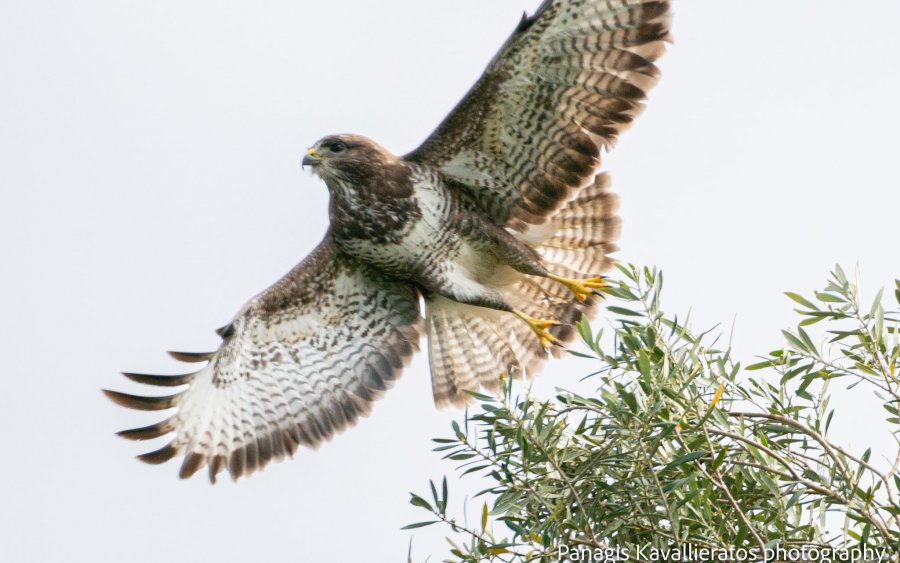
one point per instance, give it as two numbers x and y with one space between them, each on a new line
500 223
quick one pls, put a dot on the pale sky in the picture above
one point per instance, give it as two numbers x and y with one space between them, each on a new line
150 183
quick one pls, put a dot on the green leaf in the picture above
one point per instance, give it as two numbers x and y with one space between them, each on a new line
624 311
474 468
434 495
806 340
416 500
829 298
795 342
644 364
720 458
581 355
627 397
479 396
876 303
801 300
813 320
584 329
677 483
419 525
685 459
840 275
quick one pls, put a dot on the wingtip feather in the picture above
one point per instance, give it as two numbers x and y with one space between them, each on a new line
159 456
192 463
148 432
142 403
160 380
192 357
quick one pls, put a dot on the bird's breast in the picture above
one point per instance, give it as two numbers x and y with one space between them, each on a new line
402 238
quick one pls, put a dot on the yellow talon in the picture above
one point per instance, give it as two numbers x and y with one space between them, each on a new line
540 326
582 289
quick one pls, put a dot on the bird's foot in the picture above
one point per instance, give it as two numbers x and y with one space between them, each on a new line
582 289
540 328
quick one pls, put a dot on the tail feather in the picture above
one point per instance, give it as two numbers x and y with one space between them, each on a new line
577 241
463 366
470 347
579 262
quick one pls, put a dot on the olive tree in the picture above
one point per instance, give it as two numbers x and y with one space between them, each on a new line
681 447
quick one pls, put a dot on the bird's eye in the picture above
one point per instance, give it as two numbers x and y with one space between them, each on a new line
338 146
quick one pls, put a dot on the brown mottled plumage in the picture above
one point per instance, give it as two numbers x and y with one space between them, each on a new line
495 216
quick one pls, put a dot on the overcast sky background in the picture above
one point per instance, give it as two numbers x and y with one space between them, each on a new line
150 183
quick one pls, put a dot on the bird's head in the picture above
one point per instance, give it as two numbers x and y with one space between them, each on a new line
348 158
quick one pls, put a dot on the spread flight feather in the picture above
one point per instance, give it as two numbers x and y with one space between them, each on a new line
497 215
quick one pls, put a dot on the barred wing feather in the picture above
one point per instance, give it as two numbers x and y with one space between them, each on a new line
528 135
301 361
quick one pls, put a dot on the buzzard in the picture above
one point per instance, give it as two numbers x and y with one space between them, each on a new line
499 225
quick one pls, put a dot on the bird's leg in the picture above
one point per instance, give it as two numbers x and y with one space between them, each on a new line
473 293
539 326
581 288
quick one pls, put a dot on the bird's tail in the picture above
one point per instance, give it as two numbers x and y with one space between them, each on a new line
577 241
470 347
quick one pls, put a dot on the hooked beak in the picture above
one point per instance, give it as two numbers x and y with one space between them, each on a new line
311 158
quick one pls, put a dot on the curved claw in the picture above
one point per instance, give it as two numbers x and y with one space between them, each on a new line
582 289
540 328
546 339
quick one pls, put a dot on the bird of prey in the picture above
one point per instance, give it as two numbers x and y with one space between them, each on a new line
498 226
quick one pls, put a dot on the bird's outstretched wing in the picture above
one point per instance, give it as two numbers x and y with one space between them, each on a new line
300 362
568 81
